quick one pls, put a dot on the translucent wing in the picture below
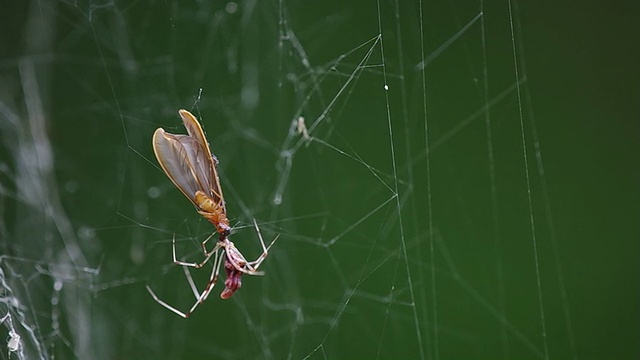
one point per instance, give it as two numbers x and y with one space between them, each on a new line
194 129
187 160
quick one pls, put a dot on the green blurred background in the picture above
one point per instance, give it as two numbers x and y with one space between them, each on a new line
515 236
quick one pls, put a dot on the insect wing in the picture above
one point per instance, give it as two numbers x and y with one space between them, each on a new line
177 161
187 160
194 129
206 163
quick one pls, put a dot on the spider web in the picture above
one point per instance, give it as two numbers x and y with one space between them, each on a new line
392 146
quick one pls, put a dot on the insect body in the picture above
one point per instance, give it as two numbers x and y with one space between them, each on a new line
190 165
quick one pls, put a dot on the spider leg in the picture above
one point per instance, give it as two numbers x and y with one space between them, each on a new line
167 306
200 298
253 265
192 284
256 263
213 279
210 285
237 259
208 255
204 244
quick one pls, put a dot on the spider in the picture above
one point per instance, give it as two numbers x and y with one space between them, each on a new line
234 264
190 165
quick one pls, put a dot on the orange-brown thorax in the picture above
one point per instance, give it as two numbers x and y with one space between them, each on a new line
213 211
